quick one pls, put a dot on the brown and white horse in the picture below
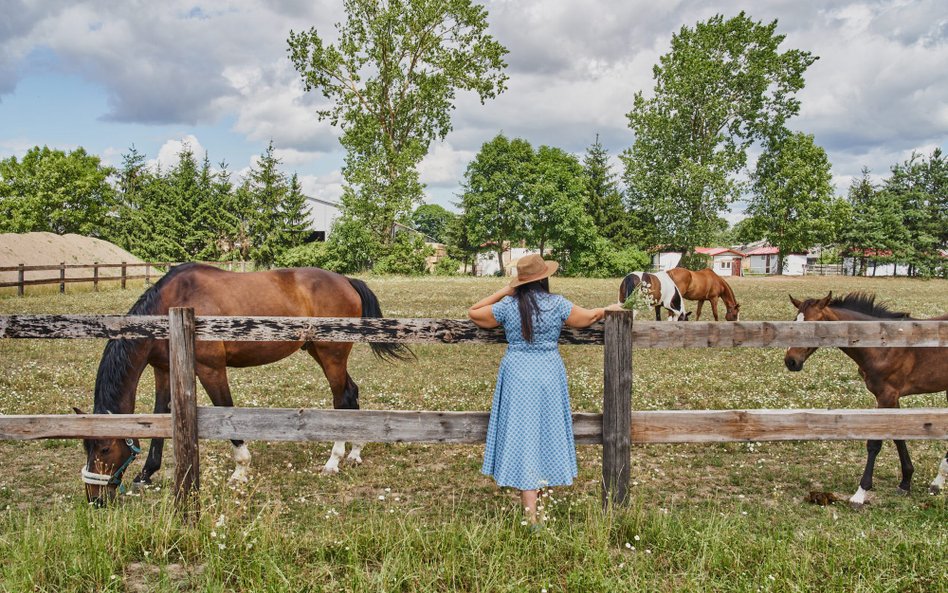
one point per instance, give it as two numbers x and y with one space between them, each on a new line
889 373
706 285
298 292
661 290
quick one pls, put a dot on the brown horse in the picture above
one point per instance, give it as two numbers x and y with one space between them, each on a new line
889 373
300 292
706 285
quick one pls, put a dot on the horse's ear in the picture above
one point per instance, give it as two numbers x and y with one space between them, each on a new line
77 410
825 300
795 302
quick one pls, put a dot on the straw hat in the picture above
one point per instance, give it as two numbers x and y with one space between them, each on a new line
531 268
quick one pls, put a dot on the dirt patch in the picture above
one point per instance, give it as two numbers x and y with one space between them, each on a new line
49 249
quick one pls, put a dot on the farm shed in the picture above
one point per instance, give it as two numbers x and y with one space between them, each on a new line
724 261
322 213
764 261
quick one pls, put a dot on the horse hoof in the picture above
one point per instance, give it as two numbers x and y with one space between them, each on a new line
330 471
857 506
140 486
934 490
357 459
902 491
238 478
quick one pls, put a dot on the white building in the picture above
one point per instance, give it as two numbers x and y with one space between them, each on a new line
724 261
322 213
486 263
764 260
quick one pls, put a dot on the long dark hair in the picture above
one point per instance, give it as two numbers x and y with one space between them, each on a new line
526 295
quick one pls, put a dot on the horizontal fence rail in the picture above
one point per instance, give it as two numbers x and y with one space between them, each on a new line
645 334
396 426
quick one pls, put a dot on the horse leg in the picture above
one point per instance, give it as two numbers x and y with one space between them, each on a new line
714 307
658 313
865 484
162 406
332 358
698 312
905 463
939 482
214 381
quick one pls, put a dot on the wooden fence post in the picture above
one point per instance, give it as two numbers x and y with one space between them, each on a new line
19 278
95 276
62 277
123 275
617 408
187 472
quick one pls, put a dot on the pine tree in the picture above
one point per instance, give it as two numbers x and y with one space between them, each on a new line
603 198
295 218
268 188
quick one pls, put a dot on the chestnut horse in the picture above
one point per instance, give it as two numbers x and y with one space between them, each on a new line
661 291
706 285
889 373
299 292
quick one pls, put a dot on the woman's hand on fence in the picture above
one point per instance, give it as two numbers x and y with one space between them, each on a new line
615 307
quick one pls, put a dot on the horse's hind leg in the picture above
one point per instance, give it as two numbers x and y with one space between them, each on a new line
905 463
714 307
865 484
939 482
214 381
332 358
162 406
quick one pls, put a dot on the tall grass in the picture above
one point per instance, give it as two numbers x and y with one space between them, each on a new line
715 517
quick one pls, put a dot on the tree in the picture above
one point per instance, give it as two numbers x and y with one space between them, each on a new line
875 230
553 203
52 191
294 212
603 198
432 220
920 188
495 186
391 79
723 86
793 194
268 188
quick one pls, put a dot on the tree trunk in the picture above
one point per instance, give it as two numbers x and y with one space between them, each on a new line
780 257
500 260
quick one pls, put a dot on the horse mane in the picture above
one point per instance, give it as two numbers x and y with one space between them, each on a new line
865 303
116 360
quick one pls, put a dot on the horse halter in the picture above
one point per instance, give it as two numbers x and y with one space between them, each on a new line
115 479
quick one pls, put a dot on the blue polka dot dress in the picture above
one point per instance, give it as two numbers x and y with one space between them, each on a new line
530 434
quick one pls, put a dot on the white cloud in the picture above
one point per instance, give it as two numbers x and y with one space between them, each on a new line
171 149
325 187
444 166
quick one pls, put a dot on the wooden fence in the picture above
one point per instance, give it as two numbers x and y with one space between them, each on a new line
616 428
151 270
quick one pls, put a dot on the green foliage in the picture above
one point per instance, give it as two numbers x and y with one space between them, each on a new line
54 191
603 200
391 80
432 220
307 255
723 86
793 194
694 261
553 203
448 266
495 186
603 260
351 247
406 256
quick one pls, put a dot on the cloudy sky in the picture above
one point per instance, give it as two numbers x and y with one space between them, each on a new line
109 75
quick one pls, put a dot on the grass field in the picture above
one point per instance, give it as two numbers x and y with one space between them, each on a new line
714 517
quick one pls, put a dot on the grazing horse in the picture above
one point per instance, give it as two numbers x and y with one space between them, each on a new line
889 373
299 292
706 285
662 291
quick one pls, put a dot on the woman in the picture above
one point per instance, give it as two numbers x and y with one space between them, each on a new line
530 434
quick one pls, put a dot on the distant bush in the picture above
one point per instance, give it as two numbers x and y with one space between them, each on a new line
447 266
603 260
315 254
406 256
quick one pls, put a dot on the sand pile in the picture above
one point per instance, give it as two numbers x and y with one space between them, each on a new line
48 249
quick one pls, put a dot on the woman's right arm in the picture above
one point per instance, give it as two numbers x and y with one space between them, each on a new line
581 317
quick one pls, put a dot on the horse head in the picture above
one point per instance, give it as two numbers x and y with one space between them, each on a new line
734 313
808 310
106 462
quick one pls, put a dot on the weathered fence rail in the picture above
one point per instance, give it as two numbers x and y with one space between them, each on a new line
152 270
616 428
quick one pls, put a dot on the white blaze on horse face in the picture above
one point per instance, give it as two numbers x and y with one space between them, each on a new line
859 497
799 317
242 459
338 450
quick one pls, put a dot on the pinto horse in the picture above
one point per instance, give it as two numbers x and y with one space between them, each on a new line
298 292
661 290
889 374
706 285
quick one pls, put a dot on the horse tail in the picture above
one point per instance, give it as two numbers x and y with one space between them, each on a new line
389 351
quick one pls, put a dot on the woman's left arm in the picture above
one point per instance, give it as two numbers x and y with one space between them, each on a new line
481 312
